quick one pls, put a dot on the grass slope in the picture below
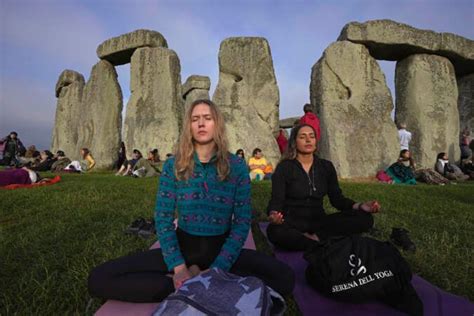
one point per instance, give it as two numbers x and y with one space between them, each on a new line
50 237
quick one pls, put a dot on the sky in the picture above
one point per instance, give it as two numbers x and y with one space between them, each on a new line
41 38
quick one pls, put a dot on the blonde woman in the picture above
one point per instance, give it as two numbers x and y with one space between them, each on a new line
210 189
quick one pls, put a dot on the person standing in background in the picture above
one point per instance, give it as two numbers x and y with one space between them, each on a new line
404 136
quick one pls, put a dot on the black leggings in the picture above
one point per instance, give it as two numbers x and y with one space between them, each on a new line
142 277
348 222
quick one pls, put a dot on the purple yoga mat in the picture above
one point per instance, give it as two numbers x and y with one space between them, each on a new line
436 302
119 308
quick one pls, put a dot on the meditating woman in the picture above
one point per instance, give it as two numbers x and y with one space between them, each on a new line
209 190
299 185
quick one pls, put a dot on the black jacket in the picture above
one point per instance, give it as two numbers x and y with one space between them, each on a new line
300 195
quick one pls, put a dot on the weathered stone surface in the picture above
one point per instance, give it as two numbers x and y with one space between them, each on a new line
195 88
154 110
66 78
118 50
466 102
196 82
389 40
427 97
354 105
69 90
248 96
289 122
100 123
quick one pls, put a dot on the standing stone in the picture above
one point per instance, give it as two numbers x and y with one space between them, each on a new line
427 98
118 50
101 115
466 102
390 40
154 111
354 103
69 89
248 96
195 88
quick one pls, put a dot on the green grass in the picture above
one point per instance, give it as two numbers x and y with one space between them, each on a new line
50 237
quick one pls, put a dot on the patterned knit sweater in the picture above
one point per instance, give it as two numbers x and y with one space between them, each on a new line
205 207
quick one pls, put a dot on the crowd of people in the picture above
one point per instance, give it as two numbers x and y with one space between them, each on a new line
208 190
23 164
404 170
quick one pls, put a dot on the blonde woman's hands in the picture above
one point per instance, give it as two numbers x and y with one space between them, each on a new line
181 274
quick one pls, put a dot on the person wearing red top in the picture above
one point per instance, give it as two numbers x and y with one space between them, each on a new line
282 141
311 119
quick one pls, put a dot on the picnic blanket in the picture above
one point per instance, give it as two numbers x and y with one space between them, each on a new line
43 182
113 307
436 302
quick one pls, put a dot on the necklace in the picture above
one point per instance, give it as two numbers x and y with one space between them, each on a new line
311 183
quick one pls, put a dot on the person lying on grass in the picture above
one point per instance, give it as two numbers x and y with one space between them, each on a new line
210 189
299 185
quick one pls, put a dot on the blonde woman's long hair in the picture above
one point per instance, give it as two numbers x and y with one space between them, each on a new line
184 162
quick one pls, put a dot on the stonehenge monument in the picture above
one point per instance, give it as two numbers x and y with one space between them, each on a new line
247 94
466 102
101 115
69 90
427 97
390 40
434 96
354 105
155 108
119 50
195 88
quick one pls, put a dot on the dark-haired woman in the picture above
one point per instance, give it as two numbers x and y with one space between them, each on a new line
209 190
403 171
448 170
299 185
240 153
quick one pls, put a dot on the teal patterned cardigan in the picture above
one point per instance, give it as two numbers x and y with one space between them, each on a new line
205 207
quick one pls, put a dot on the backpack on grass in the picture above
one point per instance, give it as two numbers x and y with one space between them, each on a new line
216 292
359 269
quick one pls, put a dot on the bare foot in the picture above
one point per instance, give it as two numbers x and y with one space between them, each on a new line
311 236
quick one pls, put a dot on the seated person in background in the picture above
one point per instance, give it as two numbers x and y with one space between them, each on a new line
45 163
464 141
403 170
240 153
35 158
467 167
126 168
258 165
154 159
85 165
299 185
122 156
61 161
144 169
448 170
